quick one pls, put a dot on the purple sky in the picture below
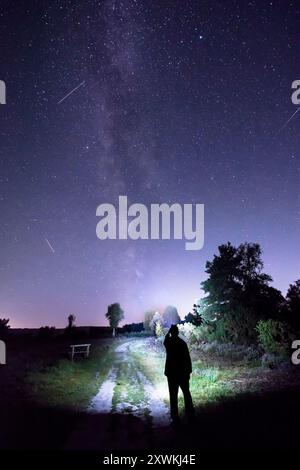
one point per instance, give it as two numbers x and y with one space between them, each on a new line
181 102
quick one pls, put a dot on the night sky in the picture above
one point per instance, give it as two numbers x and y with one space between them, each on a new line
177 101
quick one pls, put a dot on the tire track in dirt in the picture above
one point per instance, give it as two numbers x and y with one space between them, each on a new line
102 402
118 421
157 409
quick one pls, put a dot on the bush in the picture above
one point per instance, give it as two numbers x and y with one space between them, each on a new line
236 326
4 326
187 331
149 314
46 332
271 360
231 351
157 318
193 334
210 374
273 336
132 328
159 331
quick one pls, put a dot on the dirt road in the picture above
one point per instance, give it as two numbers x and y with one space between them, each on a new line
127 390
127 412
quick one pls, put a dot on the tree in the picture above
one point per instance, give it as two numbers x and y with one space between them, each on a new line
273 336
236 283
148 318
71 321
170 316
133 328
159 331
70 330
195 316
46 332
156 320
189 318
4 326
114 315
293 304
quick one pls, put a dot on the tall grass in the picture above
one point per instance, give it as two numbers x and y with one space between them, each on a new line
70 384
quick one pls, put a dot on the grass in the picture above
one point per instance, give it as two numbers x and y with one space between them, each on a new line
70 384
44 414
210 382
130 395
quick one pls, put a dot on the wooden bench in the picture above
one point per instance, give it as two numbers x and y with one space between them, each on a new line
80 349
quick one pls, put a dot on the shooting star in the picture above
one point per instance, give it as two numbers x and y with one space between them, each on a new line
49 244
286 123
72 91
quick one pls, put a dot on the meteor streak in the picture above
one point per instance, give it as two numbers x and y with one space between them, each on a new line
72 91
286 123
49 244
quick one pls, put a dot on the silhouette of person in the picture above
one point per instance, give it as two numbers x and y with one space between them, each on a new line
178 369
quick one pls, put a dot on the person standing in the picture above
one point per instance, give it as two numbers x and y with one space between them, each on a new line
177 370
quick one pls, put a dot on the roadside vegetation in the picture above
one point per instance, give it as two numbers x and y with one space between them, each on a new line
213 379
240 326
70 384
240 337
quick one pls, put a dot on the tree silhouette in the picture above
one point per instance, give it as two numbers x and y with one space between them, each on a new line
147 319
155 320
114 315
4 326
70 330
170 316
236 283
71 321
46 332
195 316
293 304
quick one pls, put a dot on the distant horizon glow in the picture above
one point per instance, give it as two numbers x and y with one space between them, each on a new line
86 318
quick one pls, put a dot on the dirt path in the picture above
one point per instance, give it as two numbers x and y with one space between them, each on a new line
127 410
102 402
143 402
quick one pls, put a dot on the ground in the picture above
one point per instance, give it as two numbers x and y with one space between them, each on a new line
118 399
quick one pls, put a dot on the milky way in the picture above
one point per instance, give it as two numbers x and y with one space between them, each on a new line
167 101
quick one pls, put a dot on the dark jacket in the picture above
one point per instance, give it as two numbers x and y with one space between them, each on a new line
178 361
